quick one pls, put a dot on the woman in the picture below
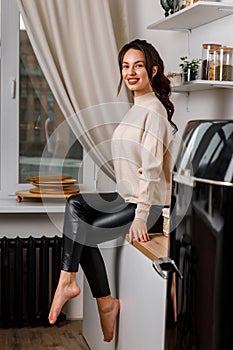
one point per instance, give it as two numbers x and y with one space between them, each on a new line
142 164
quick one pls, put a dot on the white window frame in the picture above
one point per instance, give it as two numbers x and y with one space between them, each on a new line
9 117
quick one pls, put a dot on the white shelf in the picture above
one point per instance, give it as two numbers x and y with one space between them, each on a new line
202 12
198 85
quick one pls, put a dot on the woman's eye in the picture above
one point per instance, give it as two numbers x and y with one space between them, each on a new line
139 65
125 66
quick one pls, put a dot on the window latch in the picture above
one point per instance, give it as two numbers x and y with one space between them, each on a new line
13 88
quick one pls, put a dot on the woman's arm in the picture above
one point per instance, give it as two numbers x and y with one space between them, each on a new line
151 177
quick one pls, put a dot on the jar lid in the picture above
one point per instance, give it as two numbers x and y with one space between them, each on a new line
225 49
211 46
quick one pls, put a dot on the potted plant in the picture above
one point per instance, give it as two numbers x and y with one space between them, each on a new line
189 68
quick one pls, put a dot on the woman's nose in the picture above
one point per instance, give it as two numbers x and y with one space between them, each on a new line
131 70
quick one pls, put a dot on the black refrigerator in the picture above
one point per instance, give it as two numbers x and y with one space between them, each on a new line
200 296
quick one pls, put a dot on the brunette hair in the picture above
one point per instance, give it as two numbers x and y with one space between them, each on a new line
160 83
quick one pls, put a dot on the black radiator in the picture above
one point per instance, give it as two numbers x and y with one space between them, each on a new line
29 272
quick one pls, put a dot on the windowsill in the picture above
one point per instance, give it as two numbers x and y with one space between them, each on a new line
11 206
47 205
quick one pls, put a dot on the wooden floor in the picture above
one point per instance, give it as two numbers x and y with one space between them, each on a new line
65 336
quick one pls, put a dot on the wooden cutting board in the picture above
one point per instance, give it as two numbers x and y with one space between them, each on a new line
41 195
48 178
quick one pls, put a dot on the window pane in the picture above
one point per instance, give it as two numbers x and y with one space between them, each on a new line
46 143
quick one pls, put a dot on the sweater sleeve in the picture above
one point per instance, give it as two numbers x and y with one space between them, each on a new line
153 146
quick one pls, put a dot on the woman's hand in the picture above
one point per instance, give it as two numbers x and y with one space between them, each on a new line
138 231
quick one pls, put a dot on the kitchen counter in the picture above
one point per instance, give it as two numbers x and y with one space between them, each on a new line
154 249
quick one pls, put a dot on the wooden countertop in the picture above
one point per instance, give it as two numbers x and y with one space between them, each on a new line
154 249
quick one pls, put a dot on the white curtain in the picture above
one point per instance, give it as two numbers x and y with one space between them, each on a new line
76 43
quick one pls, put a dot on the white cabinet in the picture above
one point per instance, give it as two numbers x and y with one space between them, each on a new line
142 292
143 302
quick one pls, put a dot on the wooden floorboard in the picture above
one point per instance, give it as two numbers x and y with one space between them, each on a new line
65 336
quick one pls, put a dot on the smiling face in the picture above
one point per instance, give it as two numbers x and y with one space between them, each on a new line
134 72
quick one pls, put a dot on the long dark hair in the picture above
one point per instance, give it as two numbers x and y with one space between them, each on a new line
160 83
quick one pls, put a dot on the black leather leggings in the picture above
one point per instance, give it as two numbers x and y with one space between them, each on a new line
93 218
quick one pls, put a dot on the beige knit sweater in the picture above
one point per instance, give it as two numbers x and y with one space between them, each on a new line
141 151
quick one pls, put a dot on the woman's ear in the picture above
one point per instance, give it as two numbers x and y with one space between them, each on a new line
155 70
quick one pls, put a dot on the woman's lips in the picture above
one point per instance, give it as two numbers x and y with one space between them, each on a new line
132 81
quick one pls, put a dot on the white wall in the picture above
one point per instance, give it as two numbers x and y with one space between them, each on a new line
214 104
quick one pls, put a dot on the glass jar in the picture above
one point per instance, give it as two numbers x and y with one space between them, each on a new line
211 64
189 2
166 221
182 4
205 58
176 4
224 64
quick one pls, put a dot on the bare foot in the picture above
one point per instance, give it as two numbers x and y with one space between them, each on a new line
108 311
67 289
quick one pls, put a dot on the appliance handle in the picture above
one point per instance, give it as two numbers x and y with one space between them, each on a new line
166 264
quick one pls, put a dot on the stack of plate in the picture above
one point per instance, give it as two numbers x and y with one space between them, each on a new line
53 185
